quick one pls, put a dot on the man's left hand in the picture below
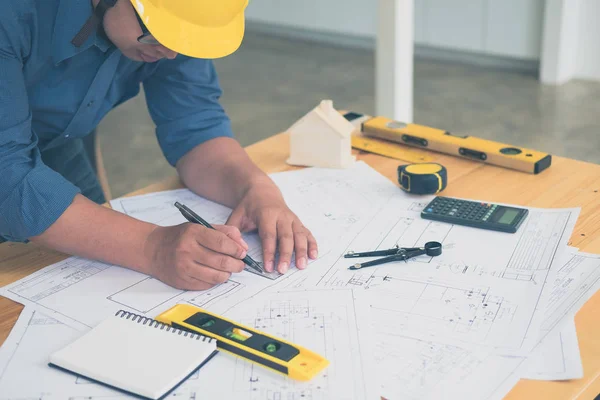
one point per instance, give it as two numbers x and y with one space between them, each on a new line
264 208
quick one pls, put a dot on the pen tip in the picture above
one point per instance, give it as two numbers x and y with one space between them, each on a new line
177 204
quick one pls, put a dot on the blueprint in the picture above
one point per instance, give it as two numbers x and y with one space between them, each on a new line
329 322
557 357
461 324
321 321
572 285
484 289
417 368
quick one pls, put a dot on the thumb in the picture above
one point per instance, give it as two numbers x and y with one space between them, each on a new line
239 220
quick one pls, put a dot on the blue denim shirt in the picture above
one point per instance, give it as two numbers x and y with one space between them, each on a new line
51 91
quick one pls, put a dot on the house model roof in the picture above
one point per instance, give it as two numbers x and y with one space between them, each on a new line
331 117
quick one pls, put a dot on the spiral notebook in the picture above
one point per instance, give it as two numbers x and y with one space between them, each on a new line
136 355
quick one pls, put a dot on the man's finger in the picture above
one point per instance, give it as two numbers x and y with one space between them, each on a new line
233 233
219 242
285 238
218 261
313 248
236 217
300 246
206 274
267 231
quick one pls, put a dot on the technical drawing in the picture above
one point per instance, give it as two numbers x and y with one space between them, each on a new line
145 295
343 279
414 367
322 321
57 278
534 252
159 209
464 314
460 268
224 289
418 206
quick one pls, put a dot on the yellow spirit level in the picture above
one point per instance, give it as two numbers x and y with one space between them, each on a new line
487 151
379 146
278 355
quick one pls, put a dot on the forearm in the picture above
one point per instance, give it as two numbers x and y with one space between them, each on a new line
220 170
92 231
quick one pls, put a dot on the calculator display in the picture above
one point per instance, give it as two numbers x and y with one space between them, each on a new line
508 216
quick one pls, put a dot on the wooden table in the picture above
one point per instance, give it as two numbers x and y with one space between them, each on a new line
567 183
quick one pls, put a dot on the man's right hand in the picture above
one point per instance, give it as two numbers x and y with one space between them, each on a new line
193 257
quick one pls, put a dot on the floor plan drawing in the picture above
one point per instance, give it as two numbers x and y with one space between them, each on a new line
62 291
470 314
206 297
159 208
416 369
320 321
145 295
541 234
57 278
436 294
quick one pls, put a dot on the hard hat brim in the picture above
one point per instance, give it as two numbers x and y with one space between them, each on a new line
190 39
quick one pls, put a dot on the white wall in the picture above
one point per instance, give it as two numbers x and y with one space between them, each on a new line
571 45
510 28
352 17
588 43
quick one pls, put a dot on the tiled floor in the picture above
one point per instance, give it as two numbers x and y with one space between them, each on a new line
269 83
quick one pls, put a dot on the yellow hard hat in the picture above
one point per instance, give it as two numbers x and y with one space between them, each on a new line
195 28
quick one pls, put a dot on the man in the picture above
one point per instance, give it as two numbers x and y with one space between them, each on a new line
63 65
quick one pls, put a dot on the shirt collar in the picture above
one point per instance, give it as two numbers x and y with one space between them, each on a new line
70 18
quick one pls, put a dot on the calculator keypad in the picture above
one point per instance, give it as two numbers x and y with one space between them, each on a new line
473 214
463 209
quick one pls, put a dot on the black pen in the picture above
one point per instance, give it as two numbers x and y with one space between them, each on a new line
195 218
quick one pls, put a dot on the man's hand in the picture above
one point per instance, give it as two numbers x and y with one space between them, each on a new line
263 207
220 170
193 257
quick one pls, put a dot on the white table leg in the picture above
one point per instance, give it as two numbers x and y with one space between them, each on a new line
394 60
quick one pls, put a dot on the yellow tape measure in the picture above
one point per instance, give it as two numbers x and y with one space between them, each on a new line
424 178
242 341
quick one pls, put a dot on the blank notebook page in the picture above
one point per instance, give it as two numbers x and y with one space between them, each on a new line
138 355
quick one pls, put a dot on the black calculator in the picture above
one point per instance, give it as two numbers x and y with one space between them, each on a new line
490 216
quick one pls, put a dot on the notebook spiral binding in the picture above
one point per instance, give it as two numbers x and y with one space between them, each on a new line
157 324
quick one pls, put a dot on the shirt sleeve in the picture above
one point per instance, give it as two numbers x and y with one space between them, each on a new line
183 100
32 195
